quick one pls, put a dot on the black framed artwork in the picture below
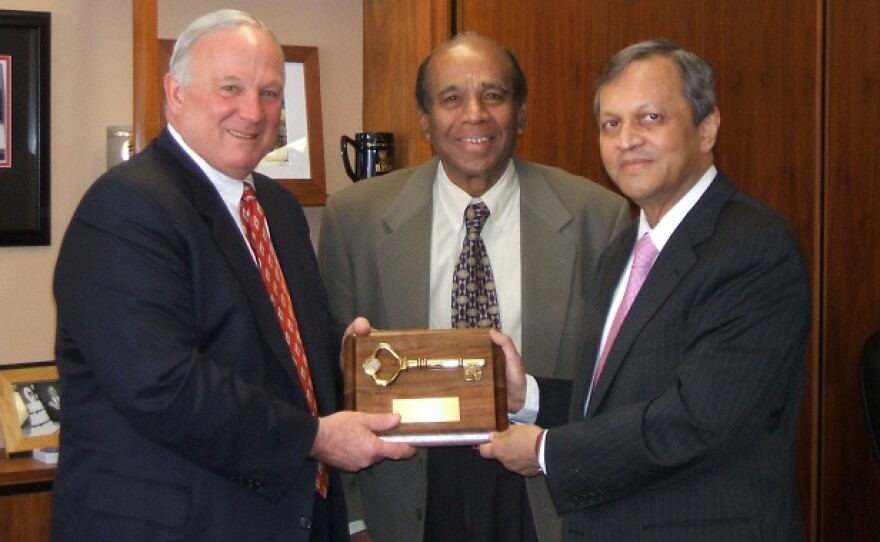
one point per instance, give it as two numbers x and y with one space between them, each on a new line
24 127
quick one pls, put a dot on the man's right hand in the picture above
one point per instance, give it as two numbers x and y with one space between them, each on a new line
513 370
348 440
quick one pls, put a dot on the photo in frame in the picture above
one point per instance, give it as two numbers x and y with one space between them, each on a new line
24 127
30 407
297 161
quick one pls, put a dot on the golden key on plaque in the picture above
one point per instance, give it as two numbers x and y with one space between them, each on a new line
473 367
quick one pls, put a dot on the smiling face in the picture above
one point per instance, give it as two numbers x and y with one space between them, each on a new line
649 144
473 123
228 113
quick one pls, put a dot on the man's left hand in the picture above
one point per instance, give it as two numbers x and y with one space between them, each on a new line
515 449
361 327
514 371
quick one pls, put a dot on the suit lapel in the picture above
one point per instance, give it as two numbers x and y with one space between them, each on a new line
296 257
611 265
403 255
673 263
232 245
548 258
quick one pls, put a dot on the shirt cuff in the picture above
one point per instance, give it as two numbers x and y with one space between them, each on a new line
541 464
529 411
356 526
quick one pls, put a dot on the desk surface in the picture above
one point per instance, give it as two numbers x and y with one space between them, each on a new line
24 470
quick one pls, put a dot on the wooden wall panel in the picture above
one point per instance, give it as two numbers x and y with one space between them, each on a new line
147 101
25 514
799 84
768 82
398 34
850 474
766 56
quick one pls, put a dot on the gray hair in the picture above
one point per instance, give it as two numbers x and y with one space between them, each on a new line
697 78
206 24
519 85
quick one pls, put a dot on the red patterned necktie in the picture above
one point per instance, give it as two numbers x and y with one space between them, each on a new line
643 259
474 299
254 220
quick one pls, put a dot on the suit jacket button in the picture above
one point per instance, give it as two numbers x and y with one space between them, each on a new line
419 514
305 522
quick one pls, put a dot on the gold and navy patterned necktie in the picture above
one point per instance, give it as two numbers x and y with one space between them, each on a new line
474 299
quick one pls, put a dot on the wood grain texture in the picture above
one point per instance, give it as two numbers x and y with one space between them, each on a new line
482 402
850 474
766 57
798 88
147 96
398 35
25 499
25 516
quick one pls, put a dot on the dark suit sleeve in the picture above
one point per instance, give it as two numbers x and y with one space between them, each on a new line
149 310
555 398
729 340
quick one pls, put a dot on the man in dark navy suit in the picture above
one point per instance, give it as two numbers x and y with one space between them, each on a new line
682 421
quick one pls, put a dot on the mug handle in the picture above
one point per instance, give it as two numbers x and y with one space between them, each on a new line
344 141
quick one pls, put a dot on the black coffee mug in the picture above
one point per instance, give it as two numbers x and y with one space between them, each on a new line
373 154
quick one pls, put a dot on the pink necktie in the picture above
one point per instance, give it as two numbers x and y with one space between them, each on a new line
257 229
643 259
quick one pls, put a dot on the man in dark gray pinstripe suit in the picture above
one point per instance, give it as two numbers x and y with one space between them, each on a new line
686 431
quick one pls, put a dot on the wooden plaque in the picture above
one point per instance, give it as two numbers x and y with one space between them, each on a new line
453 405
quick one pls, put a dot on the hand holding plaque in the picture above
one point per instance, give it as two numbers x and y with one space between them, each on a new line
447 385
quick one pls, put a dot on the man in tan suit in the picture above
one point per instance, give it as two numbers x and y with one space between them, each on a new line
388 248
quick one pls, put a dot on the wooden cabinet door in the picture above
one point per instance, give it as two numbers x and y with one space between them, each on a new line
769 90
398 34
849 476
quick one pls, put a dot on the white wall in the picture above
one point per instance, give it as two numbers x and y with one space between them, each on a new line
91 88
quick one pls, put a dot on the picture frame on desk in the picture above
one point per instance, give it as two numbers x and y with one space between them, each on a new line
24 127
30 407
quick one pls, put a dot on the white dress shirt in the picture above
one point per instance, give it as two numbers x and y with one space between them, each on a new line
501 235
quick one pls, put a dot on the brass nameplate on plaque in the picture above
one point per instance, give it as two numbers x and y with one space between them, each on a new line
440 409
448 385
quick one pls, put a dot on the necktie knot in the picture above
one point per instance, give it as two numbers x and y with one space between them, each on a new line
475 216
645 253
249 194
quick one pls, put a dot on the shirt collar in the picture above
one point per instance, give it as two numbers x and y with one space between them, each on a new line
230 189
452 200
670 221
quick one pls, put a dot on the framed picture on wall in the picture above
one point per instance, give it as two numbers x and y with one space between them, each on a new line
30 407
24 127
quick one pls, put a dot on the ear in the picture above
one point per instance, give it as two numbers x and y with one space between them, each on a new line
173 94
425 123
521 120
708 129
